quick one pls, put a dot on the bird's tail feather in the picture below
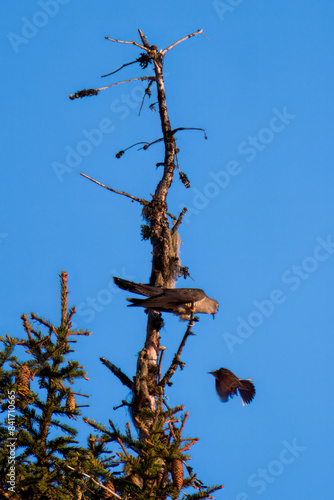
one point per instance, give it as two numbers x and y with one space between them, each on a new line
140 288
247 391
136 302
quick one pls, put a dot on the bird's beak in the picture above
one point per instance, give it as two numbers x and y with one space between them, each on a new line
213 315
212 373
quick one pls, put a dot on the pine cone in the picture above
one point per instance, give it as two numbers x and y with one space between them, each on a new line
111 487
23 380
70 401
177 473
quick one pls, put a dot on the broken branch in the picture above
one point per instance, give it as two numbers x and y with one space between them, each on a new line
144 40
179 220
124 403
118 373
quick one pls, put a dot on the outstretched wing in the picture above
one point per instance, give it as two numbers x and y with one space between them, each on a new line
224 393
170 299
183 295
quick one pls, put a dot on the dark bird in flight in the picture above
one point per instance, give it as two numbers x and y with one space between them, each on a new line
227 384
180 301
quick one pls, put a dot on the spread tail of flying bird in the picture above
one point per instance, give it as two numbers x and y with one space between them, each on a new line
246 391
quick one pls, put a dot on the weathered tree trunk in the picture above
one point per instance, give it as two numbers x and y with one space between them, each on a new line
165 261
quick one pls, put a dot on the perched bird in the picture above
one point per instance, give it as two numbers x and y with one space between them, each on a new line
180 301
227 384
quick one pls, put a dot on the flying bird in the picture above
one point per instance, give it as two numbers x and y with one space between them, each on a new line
227 384
180 301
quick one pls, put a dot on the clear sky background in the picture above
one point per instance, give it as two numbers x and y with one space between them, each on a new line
258 236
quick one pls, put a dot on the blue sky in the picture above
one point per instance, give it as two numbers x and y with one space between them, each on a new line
259 232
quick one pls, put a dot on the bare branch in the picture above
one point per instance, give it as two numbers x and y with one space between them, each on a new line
121 153
162 352
179 220
171 216
90 92
123 193
148 144
142 78
124 403
119 69
190 128
121 41
143 39
147 92
179 41
118 373
176 361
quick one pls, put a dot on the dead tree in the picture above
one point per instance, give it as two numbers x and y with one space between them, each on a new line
161 227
